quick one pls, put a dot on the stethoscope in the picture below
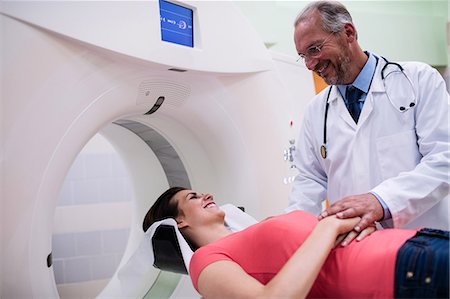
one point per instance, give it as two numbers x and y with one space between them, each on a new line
402 109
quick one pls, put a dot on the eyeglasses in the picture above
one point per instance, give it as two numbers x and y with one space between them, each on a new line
313 51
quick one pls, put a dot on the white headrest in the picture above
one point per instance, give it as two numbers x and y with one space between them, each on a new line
142 260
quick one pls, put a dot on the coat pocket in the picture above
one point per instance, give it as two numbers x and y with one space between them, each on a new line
398 153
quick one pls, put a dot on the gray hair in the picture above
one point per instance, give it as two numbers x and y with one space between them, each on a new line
333 14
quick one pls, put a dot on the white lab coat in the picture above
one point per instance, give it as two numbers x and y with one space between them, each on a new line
403 157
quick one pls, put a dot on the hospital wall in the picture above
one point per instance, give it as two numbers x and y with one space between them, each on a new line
92 220
398 30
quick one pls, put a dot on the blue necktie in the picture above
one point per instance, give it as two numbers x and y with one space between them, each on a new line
353 94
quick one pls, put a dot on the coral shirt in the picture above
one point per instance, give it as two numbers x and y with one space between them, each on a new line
363 269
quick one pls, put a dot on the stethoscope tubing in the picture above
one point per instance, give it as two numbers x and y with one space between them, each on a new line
323 147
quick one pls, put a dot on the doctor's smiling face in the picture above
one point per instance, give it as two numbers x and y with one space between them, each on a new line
327 54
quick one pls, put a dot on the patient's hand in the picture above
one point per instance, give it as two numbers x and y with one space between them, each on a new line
344 228
346 239
339 226
364 205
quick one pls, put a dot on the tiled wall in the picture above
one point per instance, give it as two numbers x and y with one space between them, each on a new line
79 257
98 176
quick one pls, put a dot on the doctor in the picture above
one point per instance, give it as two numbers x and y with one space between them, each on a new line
376 141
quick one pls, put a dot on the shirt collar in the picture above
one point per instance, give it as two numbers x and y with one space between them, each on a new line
364 77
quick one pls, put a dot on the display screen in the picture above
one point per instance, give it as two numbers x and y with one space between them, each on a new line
176 24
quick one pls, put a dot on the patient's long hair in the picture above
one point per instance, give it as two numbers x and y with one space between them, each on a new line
164 207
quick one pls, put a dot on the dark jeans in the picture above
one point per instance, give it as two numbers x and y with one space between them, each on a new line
422 266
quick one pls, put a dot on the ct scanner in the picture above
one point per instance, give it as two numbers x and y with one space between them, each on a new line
73 69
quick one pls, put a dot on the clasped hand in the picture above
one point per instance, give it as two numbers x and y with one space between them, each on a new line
365 206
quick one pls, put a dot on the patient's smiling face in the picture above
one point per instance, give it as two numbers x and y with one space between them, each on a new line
197 208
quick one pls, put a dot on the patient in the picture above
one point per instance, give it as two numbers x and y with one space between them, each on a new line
292 255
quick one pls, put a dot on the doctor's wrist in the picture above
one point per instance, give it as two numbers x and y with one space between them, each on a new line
386 212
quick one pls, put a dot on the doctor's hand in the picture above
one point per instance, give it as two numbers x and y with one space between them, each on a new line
365 206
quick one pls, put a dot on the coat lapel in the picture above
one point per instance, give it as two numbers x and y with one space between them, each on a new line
376 87
337 102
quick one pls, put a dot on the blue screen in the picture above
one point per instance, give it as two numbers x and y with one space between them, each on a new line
176 24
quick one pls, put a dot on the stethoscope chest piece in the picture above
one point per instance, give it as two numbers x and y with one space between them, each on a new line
323 151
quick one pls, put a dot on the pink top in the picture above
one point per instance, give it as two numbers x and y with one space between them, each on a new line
362 269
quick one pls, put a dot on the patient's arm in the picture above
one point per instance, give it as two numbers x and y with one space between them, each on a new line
226 279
